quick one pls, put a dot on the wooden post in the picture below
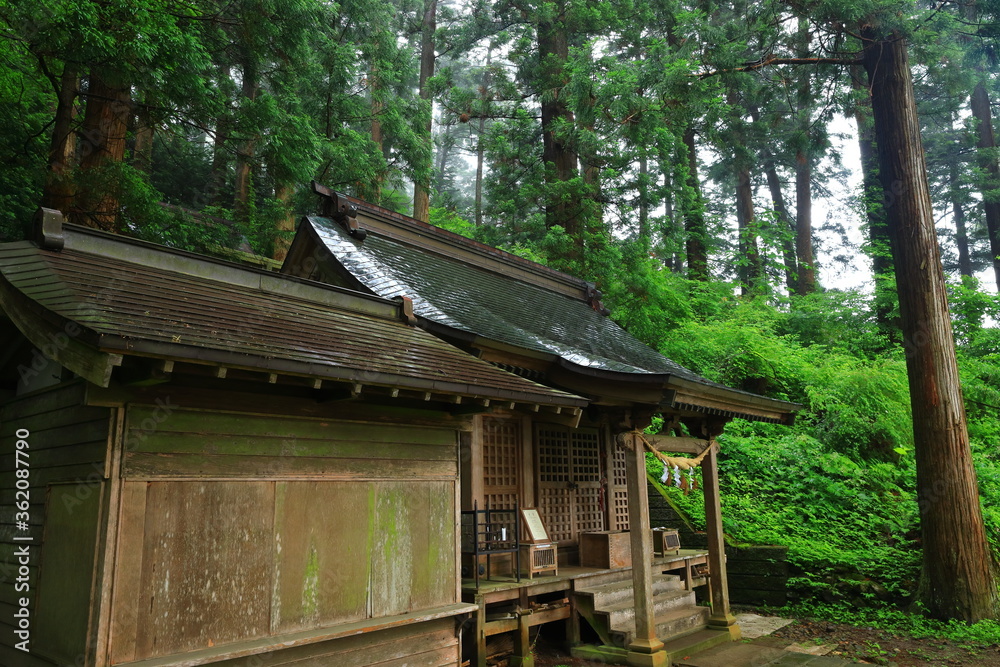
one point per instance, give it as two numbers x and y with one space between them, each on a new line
645 650
480 631
721 616
522 645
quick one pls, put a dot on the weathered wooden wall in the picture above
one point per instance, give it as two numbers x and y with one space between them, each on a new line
68 465
238 526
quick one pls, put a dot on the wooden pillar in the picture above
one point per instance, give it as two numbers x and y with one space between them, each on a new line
645 650
721 616
522 645
480 631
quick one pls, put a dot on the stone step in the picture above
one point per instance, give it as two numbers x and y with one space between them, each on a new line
695 642
621 591
622 614
670 625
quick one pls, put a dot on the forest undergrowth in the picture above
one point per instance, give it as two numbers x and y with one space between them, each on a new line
837 487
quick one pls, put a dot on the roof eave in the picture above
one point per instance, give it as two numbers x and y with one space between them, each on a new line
235 360
58 338
674 392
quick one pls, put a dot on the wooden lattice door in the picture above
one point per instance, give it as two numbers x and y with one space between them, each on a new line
569 480
501 462
617 491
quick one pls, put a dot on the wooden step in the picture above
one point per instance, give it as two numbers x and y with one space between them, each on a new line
621 591
670 625
622 614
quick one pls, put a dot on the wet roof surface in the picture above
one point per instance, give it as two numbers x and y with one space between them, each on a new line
486 303
127 302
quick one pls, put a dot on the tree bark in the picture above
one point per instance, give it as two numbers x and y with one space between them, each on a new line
142 153
58 192
422 187
780 211
751 269
986 143
105 125
785 220
560 160
245 155
957 580
372 190
871 186
958 212
643 193
480 146
694 214
806 282
286 225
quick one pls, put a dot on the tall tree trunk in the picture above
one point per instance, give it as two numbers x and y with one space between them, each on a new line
560 160
643 193
749 266
986 143
958 212
219 176
871 186
421 188
780 211
142 153
372 190
694 214
957 580
105 125
751 269
784 220
480 145
591 173
806 283
59 190
286 225
242 186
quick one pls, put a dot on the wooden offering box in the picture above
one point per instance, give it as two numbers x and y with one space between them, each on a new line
607 549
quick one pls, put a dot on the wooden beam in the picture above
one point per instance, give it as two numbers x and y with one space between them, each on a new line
645 648
666 443
721 616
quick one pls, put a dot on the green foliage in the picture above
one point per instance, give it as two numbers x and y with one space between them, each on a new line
892 619
839 486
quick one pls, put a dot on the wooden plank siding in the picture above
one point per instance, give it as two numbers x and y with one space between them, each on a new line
430 644
69 444
237 527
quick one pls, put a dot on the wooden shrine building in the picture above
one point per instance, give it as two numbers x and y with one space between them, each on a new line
578 468
212 464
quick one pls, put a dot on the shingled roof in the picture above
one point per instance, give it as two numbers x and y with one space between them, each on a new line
468 292
101 297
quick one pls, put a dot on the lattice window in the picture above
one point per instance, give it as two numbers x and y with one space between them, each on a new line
569 480
589 513
618 491
553 458
586 457
501 461
556 509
